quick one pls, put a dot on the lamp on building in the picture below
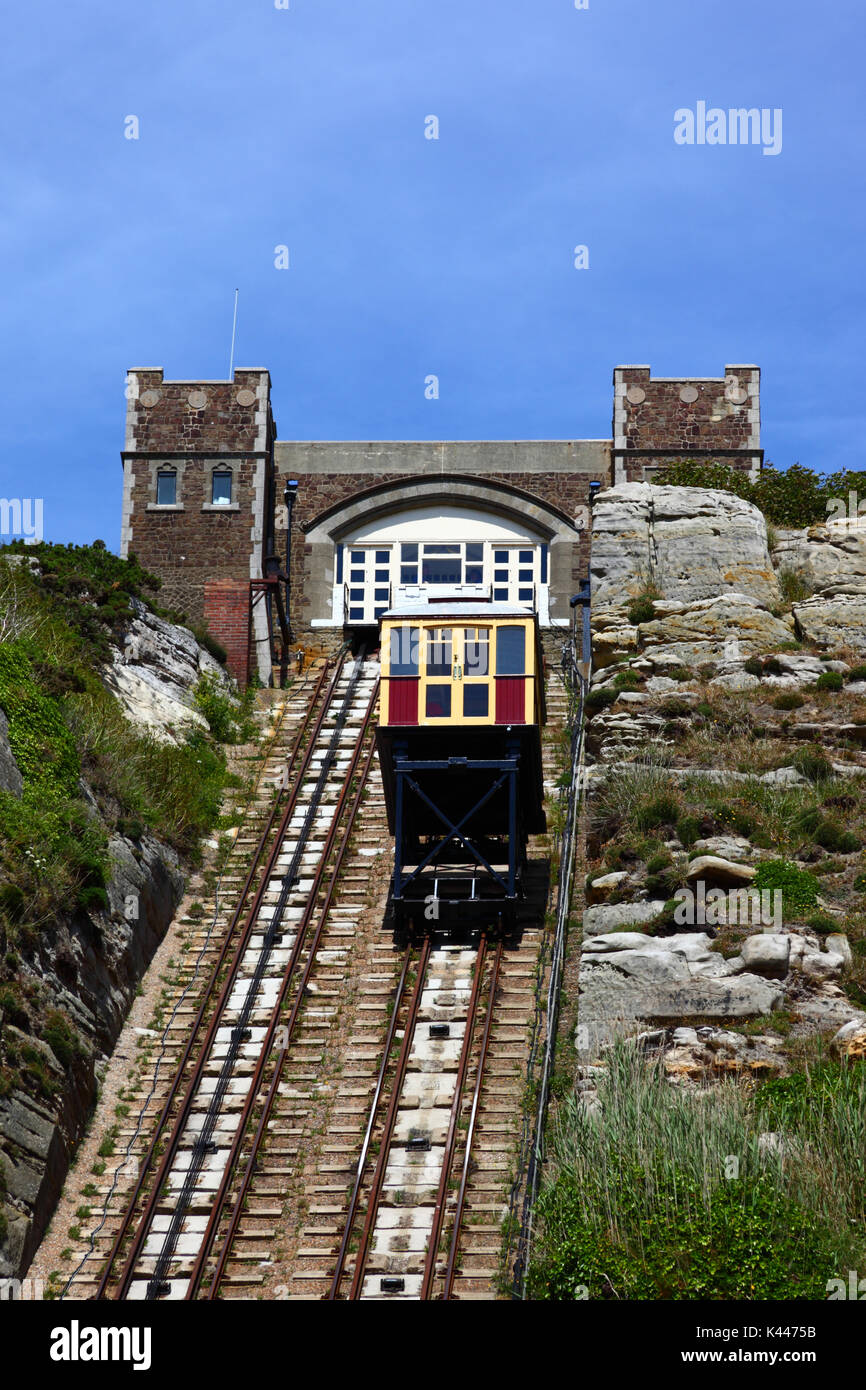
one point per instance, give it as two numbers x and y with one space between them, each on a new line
289 494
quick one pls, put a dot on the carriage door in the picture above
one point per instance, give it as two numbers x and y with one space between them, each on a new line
515 574
369 584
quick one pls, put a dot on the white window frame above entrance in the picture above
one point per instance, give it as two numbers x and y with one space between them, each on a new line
437 526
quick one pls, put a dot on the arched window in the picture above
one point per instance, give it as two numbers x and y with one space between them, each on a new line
166 487
221 488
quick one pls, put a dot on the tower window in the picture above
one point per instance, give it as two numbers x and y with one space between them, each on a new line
221 489
166 488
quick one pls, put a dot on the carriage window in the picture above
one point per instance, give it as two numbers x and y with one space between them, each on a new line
476 701
166 489
439 651
510 651
439 702
476 658
404 651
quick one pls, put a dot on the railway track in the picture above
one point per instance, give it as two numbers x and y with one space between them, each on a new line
193 1174
326 1075
433 1107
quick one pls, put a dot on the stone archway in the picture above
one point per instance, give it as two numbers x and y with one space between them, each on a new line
443 501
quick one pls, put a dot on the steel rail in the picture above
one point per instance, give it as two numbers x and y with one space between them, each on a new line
324 911
451 1136
180 1065
226 941
213 1111
368 1133
149 1210
267 1043
470 1133
390 1120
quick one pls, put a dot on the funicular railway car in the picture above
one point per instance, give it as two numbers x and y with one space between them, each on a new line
459 742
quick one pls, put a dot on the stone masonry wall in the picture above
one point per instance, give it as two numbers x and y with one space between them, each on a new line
662 419
195 428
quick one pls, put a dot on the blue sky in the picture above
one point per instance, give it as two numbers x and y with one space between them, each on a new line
408 257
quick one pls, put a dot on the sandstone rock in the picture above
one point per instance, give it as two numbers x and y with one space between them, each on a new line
836 944
10 775
821 966
701 631
728 847
850 1041
661 685
784 777
602 918
825 553
722 872
615 731
657 978
693 542
767 954
735 680
836 617
155 675
617 941
605 884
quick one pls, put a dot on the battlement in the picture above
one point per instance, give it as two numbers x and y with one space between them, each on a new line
662 419
194 417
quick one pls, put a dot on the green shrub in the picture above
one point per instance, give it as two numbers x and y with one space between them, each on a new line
688 830
640 1207
641 610
813 764
796 497
754 666
210 643
832 837
599 698
857 673
788 699
658 862
661 810
61 1037
830 680
674 708
798 887
821 923
218 709
793 586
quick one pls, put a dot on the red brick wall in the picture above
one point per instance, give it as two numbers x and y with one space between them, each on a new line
226 610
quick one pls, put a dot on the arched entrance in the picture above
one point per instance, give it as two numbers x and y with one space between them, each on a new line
442 537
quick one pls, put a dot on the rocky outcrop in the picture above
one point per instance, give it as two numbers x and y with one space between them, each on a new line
831 561
155 674
709 649
10 776
630 977
835 617
712 629
89 966
823 555
691 543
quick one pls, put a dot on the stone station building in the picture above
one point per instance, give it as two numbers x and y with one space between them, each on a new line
374 523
